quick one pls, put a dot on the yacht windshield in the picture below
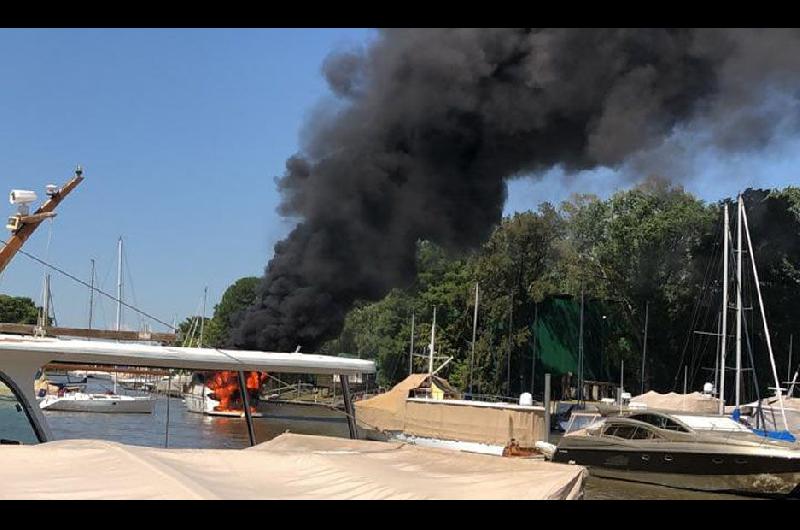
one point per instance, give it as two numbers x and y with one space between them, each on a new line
656 420
15 424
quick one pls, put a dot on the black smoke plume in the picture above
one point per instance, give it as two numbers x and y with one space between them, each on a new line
428 125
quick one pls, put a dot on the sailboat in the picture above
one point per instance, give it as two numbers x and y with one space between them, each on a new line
109 402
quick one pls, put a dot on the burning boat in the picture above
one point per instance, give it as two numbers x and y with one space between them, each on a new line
218 394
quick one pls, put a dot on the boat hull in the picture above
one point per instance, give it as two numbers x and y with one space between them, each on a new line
747 473
118 406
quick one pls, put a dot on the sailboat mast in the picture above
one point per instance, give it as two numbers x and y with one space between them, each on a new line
119 284
580 354
203 318
46 301
764 319
411 348
474 332
432 344
716 361
739 302
644 346
724 331
91 297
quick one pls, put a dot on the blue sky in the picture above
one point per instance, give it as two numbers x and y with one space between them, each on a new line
181 133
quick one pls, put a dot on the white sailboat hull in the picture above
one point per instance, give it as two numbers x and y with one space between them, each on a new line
99 403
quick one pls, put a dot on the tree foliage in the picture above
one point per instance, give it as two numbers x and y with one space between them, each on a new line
18 310
653 246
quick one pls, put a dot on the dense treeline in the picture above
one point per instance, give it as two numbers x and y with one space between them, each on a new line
654 245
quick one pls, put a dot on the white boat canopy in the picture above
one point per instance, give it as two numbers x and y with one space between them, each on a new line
48 350
22 356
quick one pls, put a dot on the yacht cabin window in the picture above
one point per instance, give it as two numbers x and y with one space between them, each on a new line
16 426
656 420
630 432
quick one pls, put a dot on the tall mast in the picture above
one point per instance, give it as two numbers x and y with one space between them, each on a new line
739 301
46 301
580 354
203 318
91 298
431 346
716 361
644 346
508 355
119 284
764 319
724 331
411 348
474 332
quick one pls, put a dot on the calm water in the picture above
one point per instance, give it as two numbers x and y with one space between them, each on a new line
189 430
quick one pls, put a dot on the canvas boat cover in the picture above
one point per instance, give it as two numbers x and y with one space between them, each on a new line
288 467
694 402
450 419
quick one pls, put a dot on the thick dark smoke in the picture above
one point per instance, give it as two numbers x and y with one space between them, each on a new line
429 124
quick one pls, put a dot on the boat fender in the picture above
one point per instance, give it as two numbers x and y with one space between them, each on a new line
547 449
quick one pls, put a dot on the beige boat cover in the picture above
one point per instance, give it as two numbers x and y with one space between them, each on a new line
288 467
694 402
387 411
460 420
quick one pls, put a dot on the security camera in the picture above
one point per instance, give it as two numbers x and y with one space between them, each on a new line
22 197
51 189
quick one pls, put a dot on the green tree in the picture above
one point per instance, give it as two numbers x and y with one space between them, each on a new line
18 310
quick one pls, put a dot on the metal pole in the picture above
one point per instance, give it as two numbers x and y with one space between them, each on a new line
644 346
203 318
411 348
580 354
474 332
789 368
547 408
725 237
91 297
348 407
431 347
535 337
685 378
508 356
246 405
716 361
46 301
738 378
166 430
119 284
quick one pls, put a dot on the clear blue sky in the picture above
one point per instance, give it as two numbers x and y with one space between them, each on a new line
181 133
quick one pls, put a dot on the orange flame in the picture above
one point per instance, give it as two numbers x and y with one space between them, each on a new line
225 388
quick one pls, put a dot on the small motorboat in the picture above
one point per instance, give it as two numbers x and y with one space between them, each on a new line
689 452
110 403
